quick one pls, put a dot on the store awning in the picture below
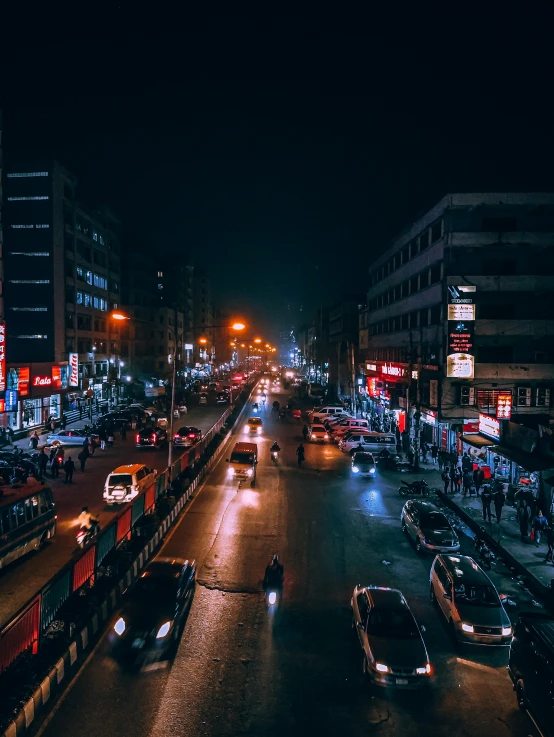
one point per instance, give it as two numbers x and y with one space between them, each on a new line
477 441
528 461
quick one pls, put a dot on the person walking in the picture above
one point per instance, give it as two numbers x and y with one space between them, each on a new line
103 435
305 432
83 455
411 454
549 533
42 462
467 463
53 424
522 516
434 453
424 452
466 481
69 467
453 479
538 525
478 478
499 500
33 442
63 421
301 454
55 466
445 476
486 499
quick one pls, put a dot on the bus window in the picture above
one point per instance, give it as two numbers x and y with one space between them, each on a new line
28 510
5 521
34 504
49 498
42 502
13 517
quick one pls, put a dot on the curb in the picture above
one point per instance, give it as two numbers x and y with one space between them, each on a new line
71 660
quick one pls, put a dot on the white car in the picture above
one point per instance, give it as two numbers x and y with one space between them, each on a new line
353 439
126 482
323 413
318 433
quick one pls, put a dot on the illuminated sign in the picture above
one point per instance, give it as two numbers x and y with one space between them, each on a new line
42 381
2 405
11 400
371 367
391 369
2 356
73 369
504 406
489 426
23 381
57 377
460 359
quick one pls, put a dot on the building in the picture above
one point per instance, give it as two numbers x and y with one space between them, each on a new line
457 332
62 267
343 347
203 320
2 321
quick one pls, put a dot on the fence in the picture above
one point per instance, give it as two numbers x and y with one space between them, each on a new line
24 630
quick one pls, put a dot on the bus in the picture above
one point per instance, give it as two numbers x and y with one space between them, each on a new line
27 520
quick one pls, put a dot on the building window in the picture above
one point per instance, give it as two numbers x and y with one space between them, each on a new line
69 320
160 274
88 277
80 273
26 174
79 298
435 273
22 226
29 309
101 239
406 254
31 337
413 284
25 199
423 241
96 302
29 253
87 300
104 305
436 231
424 279
29 281
94 235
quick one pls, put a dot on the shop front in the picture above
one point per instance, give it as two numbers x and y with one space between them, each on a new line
385 396
429 426
34 394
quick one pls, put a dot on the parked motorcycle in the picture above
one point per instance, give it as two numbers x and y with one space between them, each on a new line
415 487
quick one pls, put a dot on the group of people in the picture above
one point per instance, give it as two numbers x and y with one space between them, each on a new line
528 512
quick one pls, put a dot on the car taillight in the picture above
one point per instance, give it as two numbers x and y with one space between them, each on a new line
191 435
138 439
154 436
176 436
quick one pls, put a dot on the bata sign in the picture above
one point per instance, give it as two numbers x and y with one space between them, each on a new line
73 369
42 381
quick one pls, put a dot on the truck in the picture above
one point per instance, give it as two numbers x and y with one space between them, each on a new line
243 461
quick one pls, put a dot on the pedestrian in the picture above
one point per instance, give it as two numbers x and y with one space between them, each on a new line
123 431
63 421
445 476
466 481
499 500
522 516
305 432
550 542
411 454
33 442
53 424
42 462
538 525
486 499
467 463
110 437
55 466
424 452
60 453
301 454
83 455
459 478
69 467
10 435
453 479
434 453
478 478
80 410
103 435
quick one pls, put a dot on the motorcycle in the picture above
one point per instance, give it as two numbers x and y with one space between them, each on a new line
86 534
273 599
416 487
484 552
274 456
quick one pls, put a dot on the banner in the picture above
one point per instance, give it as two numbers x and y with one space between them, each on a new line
460 359
2 356
73 369
504 406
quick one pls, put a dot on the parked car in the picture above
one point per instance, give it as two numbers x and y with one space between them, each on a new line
124 483
531 668
318 433
69 437
341 428
187 436
363 464
154 611
428 527
469 601
394 653
321 413
151 437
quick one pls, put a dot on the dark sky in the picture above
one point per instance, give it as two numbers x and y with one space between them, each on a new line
280 154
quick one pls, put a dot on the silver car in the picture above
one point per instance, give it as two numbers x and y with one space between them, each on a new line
69 437
428 527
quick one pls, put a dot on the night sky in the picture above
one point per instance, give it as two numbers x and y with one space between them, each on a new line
282 154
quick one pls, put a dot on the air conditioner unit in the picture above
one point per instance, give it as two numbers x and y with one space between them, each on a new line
542 398
523 396
467 395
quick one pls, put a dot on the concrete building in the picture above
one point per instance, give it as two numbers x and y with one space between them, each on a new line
203 311
342 354
458 326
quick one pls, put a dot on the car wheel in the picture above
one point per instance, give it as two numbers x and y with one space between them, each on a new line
520 695
42 541
418 546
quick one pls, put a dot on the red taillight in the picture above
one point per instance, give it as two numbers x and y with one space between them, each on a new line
176 436
138 439
154 436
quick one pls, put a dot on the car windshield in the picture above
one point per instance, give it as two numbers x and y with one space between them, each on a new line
363 458
120 479
477 595
254 421
150 588
318 428
241 458
392 623
434 521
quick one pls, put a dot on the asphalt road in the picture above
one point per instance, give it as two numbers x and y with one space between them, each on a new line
238 672
20 581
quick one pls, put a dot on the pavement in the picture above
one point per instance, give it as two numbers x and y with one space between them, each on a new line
21 580
240 671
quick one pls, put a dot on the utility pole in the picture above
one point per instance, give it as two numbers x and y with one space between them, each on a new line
352 379
417 414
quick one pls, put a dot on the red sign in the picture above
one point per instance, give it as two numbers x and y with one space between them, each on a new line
504 406
42 381
2 405
73 369
57 377
2 356
23 381
471 427
393 369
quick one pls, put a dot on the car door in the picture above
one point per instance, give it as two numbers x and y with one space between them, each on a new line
186 589
444 595
362 606
409 519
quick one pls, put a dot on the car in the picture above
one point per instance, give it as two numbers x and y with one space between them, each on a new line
353 439
203 399
373 442
222 398
212 386
203 387
428 527
126 482
154 611
68 437
187 436
254 425
469 601
322 413
363 464
340 429
151 437
394 653
226 388
116 420
318 433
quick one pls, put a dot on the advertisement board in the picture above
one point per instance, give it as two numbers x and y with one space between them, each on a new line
489 426
2 356
460 359
504 406
73 369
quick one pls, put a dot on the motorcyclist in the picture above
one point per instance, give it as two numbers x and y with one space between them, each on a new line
273 577
255 406
275 447
85 519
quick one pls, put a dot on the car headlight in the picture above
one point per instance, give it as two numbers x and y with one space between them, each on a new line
355 469
382 668
467 627
249 472
164 630
259 430
506 631
371 470
231 471
424 670
119 626
326 436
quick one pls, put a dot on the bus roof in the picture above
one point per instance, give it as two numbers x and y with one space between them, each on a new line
15 492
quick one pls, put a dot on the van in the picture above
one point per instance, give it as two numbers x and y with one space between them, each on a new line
469 601
531 668
243 461
126 482
373 442
323 413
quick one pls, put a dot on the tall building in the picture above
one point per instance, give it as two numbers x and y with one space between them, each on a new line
342 355
203 319
62 278
457 332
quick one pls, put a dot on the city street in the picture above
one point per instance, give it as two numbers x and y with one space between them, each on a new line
20 581
239 672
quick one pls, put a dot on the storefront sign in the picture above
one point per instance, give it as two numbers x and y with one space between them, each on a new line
504 406
11 400
23 382
434 393
392 369
428 416
471 427
2 405
56 377
371 367
2 356
73 369
42 381
460 361
489 426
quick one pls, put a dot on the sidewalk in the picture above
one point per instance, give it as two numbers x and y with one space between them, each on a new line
72 418
506 533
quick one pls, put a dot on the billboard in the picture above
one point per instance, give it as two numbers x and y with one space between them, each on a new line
2 356
460 358
73 369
